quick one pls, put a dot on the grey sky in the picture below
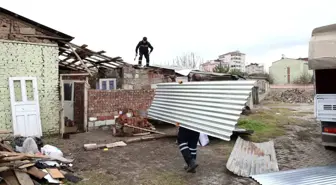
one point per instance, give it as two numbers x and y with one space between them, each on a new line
263 29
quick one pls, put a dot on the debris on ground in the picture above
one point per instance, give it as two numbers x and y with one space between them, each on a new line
203 140
248 158
313 175
131 122
94 146
28 165
291 96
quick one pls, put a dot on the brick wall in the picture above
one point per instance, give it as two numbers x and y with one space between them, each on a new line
13 29
30 60
107 103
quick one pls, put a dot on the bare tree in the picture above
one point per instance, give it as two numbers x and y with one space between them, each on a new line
188 60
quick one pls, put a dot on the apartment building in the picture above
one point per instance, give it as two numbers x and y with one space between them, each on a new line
254 68
235 60
210 65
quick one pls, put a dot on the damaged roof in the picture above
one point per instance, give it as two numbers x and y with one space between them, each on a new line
92 60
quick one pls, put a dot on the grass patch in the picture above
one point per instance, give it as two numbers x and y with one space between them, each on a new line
267 124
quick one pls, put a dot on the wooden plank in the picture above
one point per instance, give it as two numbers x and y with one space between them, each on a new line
144 129
55 173
44 37
36 172
4 132
80 59
6 147
10 177
23 178
116 144
27 165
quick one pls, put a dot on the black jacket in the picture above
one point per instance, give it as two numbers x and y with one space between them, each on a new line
143 47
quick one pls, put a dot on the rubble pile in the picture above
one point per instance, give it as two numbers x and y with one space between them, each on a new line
29 164
130 122
291 96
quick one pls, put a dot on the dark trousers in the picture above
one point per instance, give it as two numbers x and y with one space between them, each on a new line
146 54
187 141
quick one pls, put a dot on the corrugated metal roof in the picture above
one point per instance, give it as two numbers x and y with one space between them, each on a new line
324 175
211 107
248 158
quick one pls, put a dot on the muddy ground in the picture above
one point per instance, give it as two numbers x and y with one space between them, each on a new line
159 161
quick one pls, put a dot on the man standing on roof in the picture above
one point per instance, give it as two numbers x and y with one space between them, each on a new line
143 49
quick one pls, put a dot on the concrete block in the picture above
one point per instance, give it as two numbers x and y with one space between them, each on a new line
110 122
28 31
128 75
99 123
91 124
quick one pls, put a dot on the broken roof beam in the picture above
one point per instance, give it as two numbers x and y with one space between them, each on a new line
79 59
99 55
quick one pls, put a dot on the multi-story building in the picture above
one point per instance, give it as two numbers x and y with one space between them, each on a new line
254 68
210 65
235 60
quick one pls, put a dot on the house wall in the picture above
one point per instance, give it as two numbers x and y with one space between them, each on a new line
278 70
13 29
20 59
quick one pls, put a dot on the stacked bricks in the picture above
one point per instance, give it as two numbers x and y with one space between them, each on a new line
105 104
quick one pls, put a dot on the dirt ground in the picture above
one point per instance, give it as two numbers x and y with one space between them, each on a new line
159 161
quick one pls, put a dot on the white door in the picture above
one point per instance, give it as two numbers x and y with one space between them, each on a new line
25 106
68 99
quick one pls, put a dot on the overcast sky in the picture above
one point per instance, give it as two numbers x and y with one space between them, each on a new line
263 29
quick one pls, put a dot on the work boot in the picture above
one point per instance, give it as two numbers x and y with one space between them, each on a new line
192 166
186 168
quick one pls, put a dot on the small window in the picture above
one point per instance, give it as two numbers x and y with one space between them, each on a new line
107 84
68 91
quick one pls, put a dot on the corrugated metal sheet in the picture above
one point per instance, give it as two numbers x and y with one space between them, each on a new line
248 158
212 108
325 175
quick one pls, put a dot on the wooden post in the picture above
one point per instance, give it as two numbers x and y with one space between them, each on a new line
62 106
86 87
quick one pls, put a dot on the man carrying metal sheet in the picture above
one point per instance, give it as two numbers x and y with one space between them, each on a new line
187 140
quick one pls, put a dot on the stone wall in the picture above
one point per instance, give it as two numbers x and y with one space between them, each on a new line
13 29
144 78
105 104
20 59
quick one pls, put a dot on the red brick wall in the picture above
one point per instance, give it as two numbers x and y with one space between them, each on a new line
106 103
